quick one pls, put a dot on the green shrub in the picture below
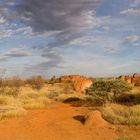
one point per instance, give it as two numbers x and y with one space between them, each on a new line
105 91
54 80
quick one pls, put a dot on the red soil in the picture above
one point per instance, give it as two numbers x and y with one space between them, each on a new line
58 123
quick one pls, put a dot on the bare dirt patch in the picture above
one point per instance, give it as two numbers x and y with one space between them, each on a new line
58 123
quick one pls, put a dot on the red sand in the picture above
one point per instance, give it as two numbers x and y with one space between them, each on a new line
57 123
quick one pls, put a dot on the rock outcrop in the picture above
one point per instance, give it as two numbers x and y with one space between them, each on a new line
131 79
80 82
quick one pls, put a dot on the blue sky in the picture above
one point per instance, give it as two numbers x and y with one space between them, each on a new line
88 37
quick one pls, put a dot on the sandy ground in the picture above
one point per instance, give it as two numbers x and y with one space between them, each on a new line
59 122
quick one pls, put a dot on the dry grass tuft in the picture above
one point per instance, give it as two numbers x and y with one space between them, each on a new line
33 100
8 111
10 107
119 114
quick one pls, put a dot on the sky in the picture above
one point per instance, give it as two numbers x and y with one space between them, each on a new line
96 38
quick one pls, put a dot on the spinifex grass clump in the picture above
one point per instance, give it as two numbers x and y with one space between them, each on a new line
119 114
10 107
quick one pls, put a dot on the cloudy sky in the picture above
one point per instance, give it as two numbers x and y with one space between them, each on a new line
57 37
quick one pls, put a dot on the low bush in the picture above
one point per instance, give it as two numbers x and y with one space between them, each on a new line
107 91
11 86
54 80
36 82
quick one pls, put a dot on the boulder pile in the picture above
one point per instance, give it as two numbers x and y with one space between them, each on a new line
134 79
80 82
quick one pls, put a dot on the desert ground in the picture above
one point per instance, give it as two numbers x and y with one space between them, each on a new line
55 113
60 122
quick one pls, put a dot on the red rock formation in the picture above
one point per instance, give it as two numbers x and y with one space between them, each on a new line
80 82
122 77
135 78
130 79
135 75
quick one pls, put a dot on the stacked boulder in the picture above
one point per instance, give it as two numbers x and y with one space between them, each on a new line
80 82
134 80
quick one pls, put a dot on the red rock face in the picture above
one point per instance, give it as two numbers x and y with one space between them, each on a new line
80 82
130 79
135 75
122 77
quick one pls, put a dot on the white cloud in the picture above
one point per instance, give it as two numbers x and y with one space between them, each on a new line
121 66
88 19
17 52
135 3
137 45
5 33
86 40
12 53
131 11
2 20
107 44
131 39
24 30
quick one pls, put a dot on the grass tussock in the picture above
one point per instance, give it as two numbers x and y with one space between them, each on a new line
10 107
119 114
8 112
34 101
38 103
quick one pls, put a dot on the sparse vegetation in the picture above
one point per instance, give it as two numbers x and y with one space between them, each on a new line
9 111
36 82
11 86
52 95
36 94
10 107
119 114
33 100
